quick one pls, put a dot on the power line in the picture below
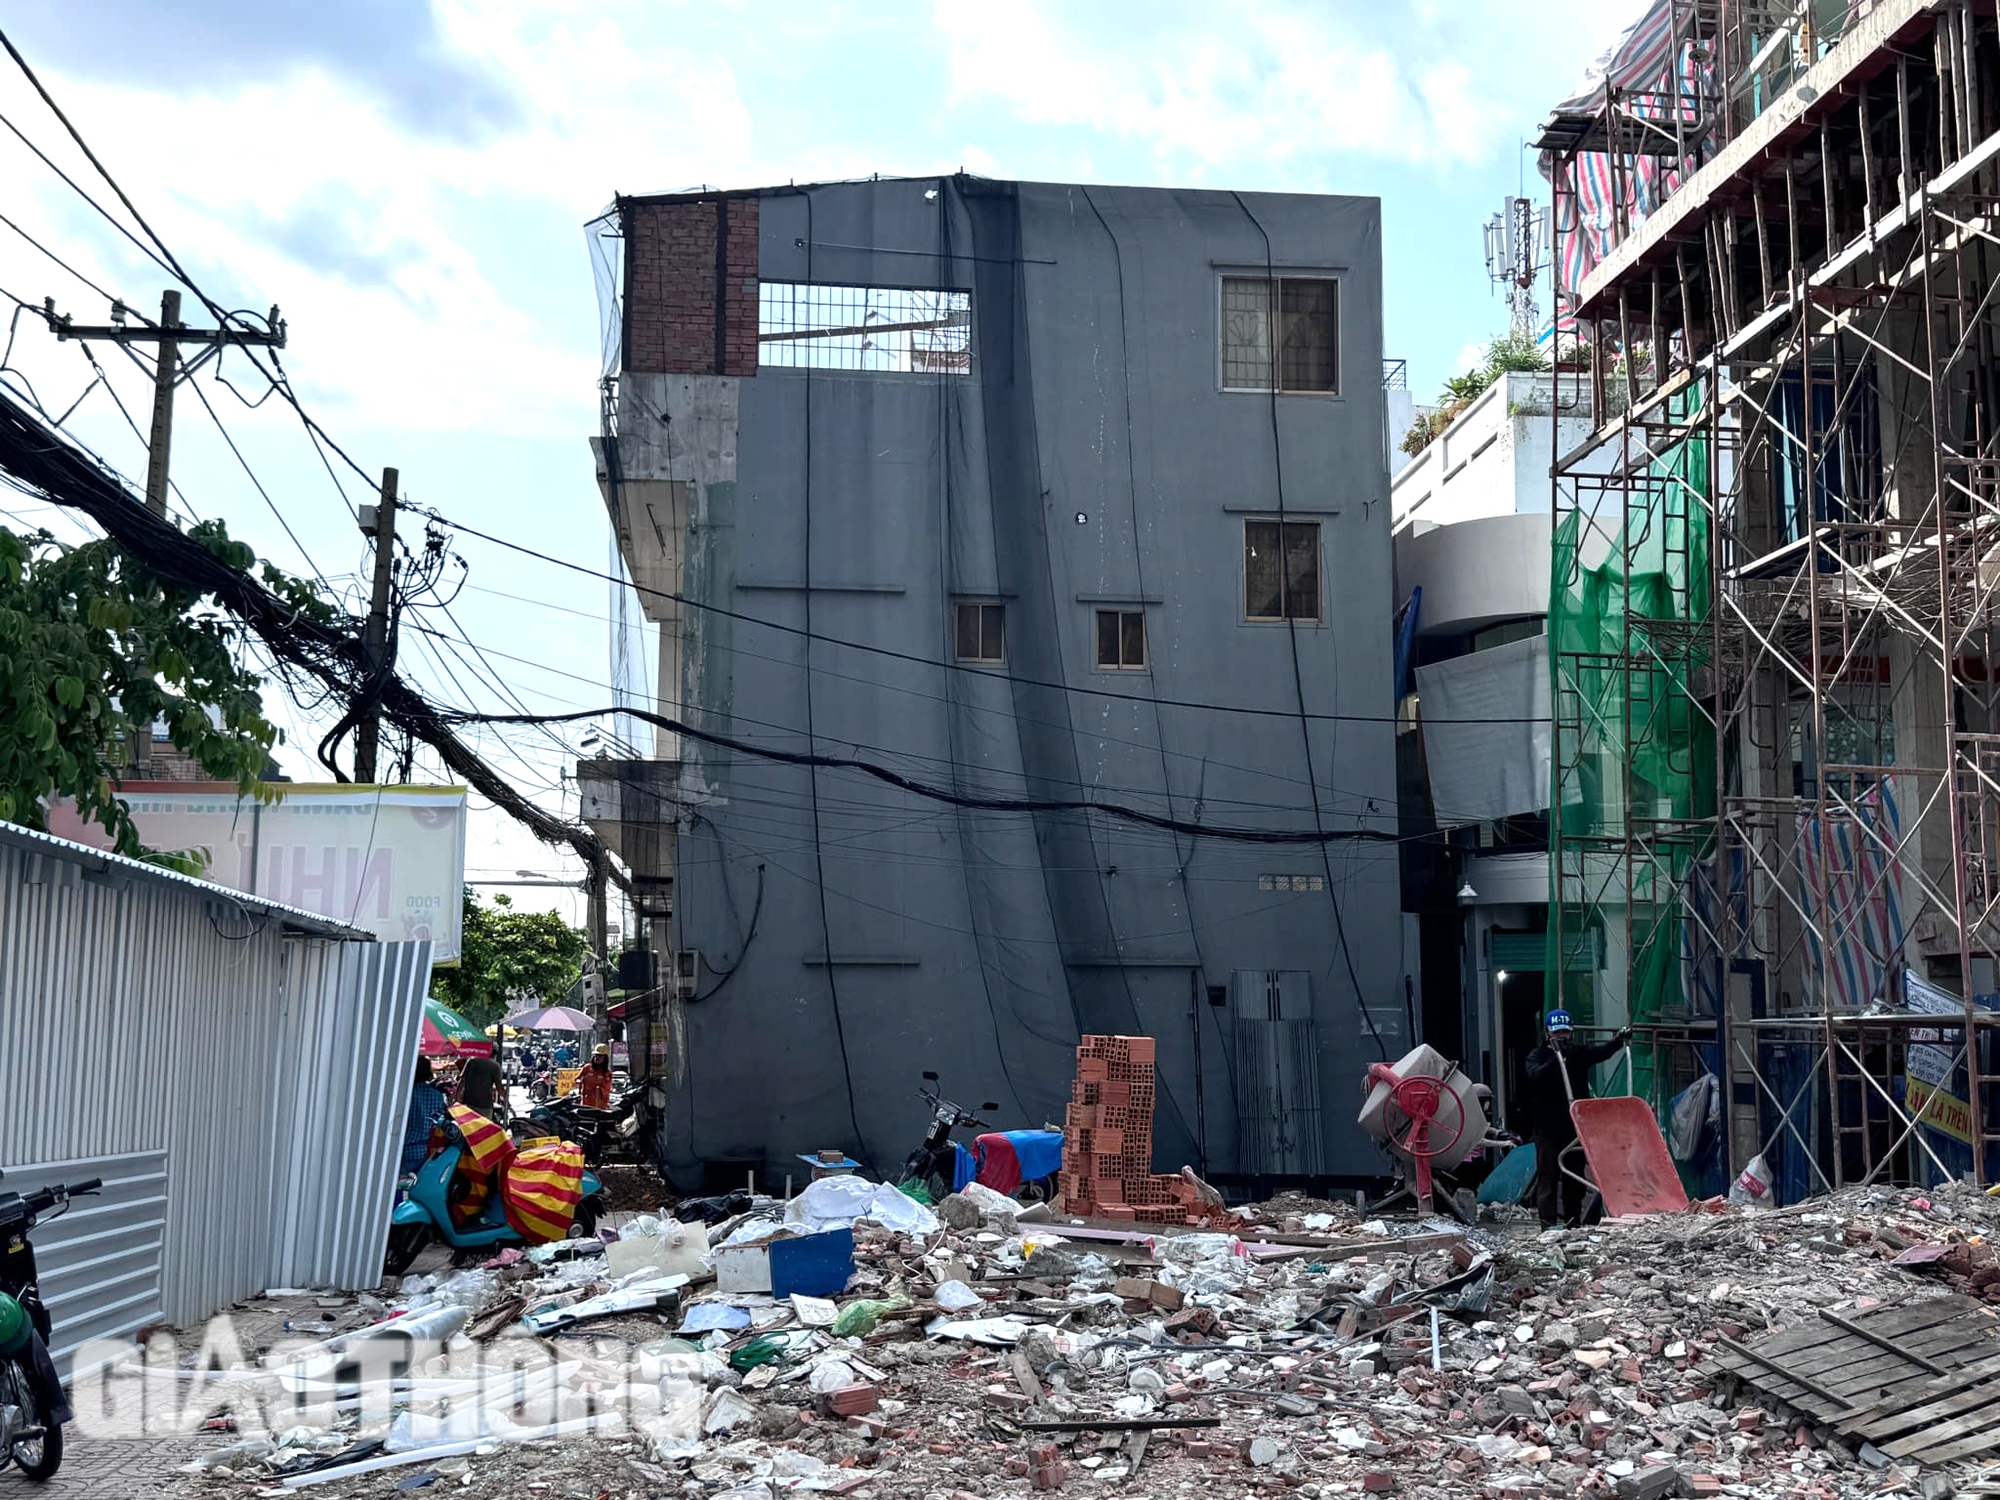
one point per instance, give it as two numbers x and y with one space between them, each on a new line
894 778
949 666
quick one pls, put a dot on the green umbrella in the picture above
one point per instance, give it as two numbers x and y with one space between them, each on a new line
448 1034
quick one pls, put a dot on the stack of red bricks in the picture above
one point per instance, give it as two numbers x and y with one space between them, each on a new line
1107 1167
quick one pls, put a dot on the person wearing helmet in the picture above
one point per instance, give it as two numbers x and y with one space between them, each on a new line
594 1083
1559 1071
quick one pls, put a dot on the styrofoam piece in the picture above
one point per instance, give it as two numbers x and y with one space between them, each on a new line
742 1268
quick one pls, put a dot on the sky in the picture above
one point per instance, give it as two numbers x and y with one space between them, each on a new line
409 184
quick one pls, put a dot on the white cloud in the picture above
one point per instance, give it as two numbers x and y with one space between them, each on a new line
1276 83
406 307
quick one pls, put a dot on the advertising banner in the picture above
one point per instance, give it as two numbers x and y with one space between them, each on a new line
390 859
1936 1085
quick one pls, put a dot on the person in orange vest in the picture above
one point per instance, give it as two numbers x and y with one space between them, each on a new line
594 1082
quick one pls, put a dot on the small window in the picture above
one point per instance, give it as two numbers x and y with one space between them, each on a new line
1121 639
1307 356
1281 570
1291 882
980 632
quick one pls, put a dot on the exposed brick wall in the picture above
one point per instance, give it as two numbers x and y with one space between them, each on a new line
670 292
168 762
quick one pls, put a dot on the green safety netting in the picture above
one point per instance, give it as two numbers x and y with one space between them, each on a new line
1632 754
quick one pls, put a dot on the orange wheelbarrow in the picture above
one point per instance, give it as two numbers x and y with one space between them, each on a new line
1627 1165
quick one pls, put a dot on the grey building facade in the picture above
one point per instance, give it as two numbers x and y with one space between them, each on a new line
1007 492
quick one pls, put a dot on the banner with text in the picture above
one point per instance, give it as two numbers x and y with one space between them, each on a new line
390 859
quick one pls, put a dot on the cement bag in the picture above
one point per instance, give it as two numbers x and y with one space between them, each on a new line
1753 1184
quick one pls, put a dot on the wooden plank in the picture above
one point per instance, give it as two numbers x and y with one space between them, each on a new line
1903 1318
1924 1401
1853 1366
1887 1426
1880 1340
1843 1352
1965 1448
1916 1393
1905 1321
1835 1405
1967 1424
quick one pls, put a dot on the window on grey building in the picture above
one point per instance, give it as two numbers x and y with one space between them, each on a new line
1121 639
1281 570
873 328
979 632
1306 312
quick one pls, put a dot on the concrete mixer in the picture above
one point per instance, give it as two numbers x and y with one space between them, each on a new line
1427 1114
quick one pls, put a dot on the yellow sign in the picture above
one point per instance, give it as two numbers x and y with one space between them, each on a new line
1939 1110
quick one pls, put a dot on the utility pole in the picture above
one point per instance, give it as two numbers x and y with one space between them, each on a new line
165 366
375 634
167 336
598 882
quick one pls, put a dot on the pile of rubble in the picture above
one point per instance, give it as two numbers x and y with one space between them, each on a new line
989 1350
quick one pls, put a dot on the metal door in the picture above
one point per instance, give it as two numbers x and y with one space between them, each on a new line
1277 1073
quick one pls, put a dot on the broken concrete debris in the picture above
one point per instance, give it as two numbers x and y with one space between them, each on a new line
1123 1359
1295 1347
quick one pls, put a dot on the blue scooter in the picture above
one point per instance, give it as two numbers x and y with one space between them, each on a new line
424 1211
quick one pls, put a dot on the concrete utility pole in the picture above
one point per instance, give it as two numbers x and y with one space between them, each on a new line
598 882
167 336
375 633
159 445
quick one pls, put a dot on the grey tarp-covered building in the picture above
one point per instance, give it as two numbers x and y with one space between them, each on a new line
1009 489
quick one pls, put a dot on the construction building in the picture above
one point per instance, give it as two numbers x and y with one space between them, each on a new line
1777 758
1002 540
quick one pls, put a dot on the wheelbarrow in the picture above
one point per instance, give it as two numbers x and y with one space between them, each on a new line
1619 1155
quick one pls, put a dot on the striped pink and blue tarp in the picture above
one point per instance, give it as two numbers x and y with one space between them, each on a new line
1657 80
1850 892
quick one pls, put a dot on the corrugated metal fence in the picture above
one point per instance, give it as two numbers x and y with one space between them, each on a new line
236 1071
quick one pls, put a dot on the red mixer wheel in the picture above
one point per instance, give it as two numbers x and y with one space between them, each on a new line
1418 1100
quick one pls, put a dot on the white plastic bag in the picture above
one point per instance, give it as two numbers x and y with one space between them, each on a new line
1753 1184
956 1297
836 1202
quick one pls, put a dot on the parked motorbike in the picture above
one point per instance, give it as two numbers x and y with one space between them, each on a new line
424 1214
32 1405
605 1134
933 1162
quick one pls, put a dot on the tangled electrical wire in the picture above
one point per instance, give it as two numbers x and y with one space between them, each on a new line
325 647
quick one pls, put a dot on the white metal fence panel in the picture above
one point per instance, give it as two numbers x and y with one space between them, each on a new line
219 1050
352 1016
99 1262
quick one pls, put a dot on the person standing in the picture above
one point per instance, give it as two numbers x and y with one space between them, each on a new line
479 1088
594 1082
427 1107
1559 1072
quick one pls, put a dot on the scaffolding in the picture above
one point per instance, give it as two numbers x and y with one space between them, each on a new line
1777 753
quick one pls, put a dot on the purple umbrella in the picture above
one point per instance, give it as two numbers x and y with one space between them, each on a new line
551 1018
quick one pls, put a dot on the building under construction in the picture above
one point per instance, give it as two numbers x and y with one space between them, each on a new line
1776 835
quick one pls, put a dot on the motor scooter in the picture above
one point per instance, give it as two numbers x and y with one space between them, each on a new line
424 1213
32 1405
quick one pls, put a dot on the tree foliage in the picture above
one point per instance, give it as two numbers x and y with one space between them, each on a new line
94 650
510 959
1508 354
